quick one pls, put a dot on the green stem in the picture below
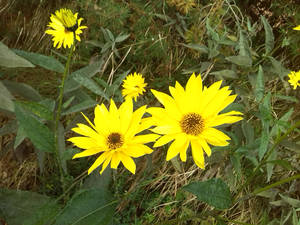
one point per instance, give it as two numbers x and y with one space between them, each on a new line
58 114
297 176
277 142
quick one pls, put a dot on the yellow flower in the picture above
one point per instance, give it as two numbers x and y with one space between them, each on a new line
294 79
189 117
297 28
133 86
64 26
113 134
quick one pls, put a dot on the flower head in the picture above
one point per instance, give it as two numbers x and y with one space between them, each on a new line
65 25
297 27
133 86
294 79
114 135
189 117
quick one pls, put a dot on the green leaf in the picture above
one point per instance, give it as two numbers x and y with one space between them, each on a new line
121 38
260 85
278 68
22 90
21 135
47 62
226 74
197 47
6 99
269 36
214 192
243 46
9 59
37 109
40 135
278 126
90 84
281 162
90 206
211 32
26 208
240 60
61 146
248 132
88 71
80 107
291 201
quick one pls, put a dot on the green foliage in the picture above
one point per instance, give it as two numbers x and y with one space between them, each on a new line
214 192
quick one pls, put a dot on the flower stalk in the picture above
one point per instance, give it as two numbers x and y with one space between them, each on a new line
58 114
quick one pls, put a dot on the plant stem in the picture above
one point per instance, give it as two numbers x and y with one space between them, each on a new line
58 114
262 162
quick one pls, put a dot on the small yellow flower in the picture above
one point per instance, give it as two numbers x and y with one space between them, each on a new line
294 79
297 28
134 85
64 26
113 134
190 116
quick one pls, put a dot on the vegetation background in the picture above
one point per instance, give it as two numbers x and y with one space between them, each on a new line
249 44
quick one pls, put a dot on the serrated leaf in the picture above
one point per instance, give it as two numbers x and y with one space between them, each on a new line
26 208
226 74
22 90
37 109
87 71
80 107
6 99
9 59
214 192
40 135
269 36
240 60
47 62
259 85
90 206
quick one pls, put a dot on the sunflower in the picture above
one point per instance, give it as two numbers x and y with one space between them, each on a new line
133 86
297 27
190 116
113 134
64 26
294 79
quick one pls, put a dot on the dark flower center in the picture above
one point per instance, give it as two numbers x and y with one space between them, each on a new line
192 124
114 141
72 28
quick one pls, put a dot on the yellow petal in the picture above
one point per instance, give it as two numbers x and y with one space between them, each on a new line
135 122
106 162
215 137
83 142
88 152
183 150
128 163
98 161
197 153
164 140
125 110
146 138
115 160
137 150
177 145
